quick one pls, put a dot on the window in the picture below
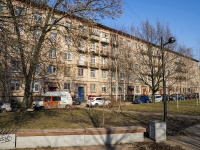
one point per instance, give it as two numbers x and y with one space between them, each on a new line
52 53
68 24
53 37
113 88
68 41
80 71
16 49
67 86
15 66
53 19
81 45
129 54
20 29
37 17
36 86
121 64
113 75
121 87
104 74
81 28
67 71
129 43
68 55
1 7
129 77
103 48
103 88
52 69
37 69
136 46
93 73
19 11
92 47
122 76
137 89
14 85
81 60
122 53
1 26
121 41
93 60
56 98
92 88
37 33
104 61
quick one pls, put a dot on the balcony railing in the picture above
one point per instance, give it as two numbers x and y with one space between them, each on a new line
105 53
105 40
82 63
94 65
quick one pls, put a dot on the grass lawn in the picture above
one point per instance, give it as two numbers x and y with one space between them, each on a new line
186 107
84 118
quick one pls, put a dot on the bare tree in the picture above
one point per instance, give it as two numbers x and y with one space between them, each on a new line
36 22
148 67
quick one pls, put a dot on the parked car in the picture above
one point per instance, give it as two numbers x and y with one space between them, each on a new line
167 97
142 99
97 101
4 107
176 97
76 102
158 98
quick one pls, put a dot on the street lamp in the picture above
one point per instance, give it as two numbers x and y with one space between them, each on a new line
170 40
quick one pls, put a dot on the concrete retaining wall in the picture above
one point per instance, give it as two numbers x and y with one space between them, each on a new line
33 138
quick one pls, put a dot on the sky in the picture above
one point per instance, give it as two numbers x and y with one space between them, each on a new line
182 16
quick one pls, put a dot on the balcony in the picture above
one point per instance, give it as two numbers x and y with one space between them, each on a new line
105 40
83 49
94 51
82 63
105 53
94 65
95 37
104 66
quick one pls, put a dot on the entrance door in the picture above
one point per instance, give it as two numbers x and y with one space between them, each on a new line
80 93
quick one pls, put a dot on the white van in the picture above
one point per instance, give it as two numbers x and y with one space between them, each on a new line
54 99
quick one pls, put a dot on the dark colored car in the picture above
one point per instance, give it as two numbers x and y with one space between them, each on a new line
190 96
176 97
142 99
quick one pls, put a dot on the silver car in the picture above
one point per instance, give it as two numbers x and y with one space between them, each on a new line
4 107
97 101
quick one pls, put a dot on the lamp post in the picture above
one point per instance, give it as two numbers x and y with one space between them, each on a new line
170 40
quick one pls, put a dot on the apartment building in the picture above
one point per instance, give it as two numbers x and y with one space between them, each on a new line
85 59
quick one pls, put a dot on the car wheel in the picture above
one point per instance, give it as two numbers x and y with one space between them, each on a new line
96 105
3 110
67 106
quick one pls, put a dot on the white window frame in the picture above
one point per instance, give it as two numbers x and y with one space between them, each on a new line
16 84
68 55
80 72
53 36
15 66
52 53
52 69
104 88
92 88
104 74
92 73
67 86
